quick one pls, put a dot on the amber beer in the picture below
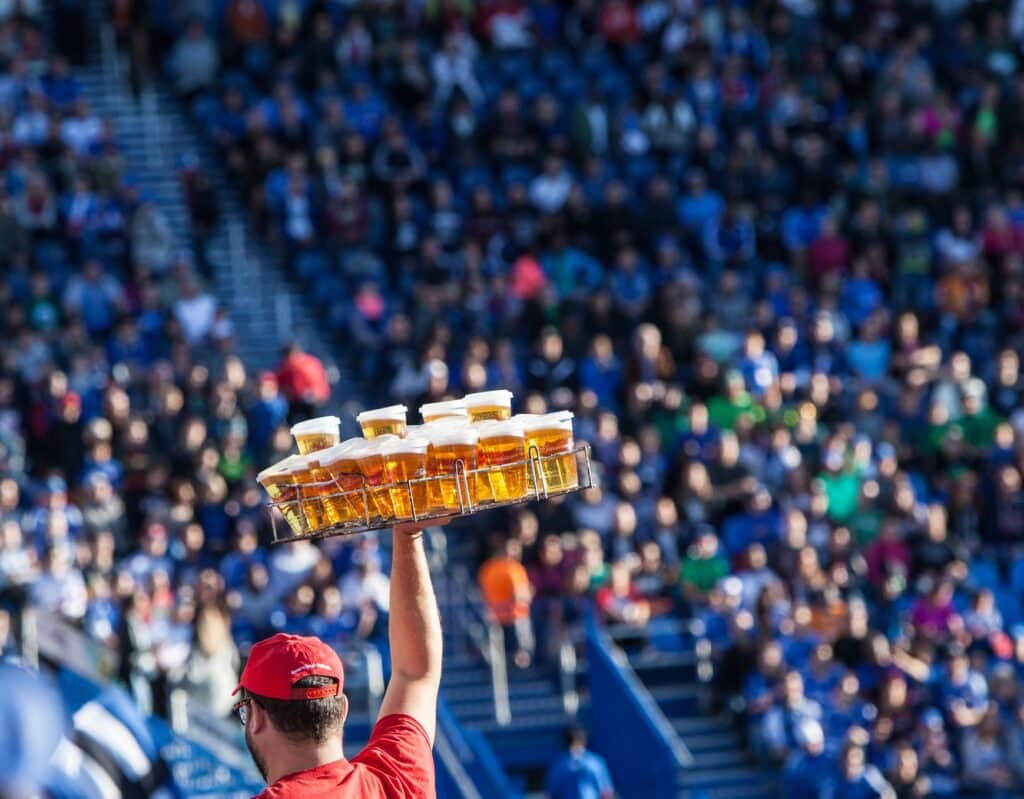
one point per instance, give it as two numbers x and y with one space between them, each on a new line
370 462
277 482
489 405
307 475
550 435
316 434
502 452
449 409
344 472
383 421
406 460
450 444
336 509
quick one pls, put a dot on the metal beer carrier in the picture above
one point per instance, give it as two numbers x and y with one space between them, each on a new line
537 489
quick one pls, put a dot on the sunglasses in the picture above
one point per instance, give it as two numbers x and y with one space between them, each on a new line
241 709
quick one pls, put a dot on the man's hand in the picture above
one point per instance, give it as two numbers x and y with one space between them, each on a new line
415 529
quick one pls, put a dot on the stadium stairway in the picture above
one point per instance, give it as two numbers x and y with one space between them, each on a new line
156 138
532 736
722 767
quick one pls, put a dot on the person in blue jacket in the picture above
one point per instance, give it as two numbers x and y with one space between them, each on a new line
808 769
579 773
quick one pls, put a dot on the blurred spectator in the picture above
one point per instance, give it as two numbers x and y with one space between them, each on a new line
578 773
507 593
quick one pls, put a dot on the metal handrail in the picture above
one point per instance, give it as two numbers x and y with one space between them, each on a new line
567 675
489 638
374 666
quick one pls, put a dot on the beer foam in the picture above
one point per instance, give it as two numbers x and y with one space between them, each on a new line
390 413
320 426
501 397
445 408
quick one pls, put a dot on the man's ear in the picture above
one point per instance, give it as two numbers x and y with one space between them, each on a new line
258 719
343 701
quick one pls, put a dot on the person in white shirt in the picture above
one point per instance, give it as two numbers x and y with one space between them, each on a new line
452 68
366 584
82 129
195 311
550 189
32 126
60 588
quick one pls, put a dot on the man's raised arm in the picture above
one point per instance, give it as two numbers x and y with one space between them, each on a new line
414 632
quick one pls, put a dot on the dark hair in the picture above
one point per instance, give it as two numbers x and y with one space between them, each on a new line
574 737
301 719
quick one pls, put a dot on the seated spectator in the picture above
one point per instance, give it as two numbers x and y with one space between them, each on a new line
858 778
987 756
808 770
702 568
194 61
619 601
778 729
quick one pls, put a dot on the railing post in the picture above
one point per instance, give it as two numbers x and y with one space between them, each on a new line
567 676
29 634
374 680
177 710
499 674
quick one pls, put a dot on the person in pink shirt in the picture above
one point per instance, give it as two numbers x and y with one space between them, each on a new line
934 615
888 556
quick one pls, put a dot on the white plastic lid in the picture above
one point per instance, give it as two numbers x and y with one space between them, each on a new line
446 408
501 396
441 435
371 446
336 453
392 412
282 467
546 421
494 428
322 426
413 446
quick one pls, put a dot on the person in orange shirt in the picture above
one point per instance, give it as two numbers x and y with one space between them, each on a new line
507 592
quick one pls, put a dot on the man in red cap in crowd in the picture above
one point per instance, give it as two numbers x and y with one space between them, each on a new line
293 709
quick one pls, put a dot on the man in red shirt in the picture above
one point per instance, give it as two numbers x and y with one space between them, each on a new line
303 381
293 709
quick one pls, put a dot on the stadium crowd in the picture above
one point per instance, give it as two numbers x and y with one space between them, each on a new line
770 253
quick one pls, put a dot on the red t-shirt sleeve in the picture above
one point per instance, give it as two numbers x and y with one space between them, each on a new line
399 754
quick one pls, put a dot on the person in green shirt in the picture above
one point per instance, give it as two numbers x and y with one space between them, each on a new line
979 421
841 484
702 568
726 410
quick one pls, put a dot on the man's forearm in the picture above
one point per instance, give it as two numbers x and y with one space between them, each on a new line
415 623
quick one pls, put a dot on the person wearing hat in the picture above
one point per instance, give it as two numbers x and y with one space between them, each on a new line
293 709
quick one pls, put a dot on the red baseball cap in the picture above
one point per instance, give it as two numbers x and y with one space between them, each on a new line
275 664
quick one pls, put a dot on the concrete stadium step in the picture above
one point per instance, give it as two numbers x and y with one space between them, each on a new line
262 303
700 725
768 791
480 693
678 700
664 668
711 741
748 778
523 707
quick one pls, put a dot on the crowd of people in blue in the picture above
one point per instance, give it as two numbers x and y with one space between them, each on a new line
769 253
